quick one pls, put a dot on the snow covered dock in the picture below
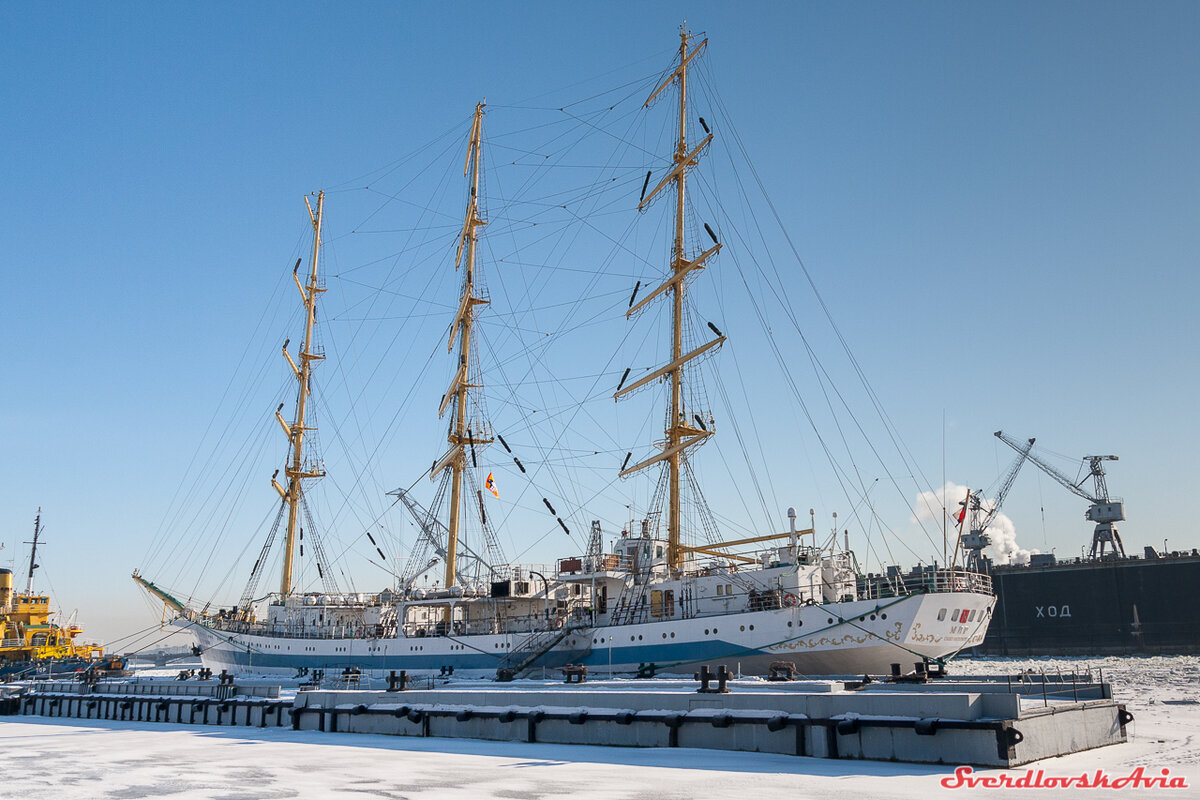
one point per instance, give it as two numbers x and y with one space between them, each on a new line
978 720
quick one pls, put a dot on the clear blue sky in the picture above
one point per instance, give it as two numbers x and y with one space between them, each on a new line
999 201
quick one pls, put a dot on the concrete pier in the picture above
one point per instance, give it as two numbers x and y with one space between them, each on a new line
188 702
993 722
980 723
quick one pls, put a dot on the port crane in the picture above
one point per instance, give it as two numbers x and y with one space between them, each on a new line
979 516
1105 511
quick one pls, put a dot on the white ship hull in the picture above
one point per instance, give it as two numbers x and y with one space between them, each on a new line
859 637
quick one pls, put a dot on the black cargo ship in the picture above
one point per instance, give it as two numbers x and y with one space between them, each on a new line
1105 606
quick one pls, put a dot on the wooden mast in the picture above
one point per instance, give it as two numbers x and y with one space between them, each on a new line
295 469
680 435
460 436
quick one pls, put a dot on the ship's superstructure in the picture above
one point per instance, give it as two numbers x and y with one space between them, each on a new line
663 598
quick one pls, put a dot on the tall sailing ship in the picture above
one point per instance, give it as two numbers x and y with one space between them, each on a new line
657 601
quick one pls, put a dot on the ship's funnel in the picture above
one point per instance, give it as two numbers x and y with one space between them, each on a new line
6 583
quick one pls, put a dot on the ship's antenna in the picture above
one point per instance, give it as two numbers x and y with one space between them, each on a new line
296 470
37 529
460 436
680 434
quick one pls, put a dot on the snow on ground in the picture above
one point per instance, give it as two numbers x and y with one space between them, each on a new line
66 759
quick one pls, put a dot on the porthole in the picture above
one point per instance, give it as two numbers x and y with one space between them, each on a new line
872 617
883 616
751 627
639 637
631 638
742 628
706 631
664 636
672 634
714 630
862 619
830 620
789 623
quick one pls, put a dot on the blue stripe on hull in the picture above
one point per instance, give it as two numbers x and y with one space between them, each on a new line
688 653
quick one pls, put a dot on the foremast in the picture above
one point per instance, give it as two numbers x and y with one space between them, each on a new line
296 471
33 565
461 436
681 436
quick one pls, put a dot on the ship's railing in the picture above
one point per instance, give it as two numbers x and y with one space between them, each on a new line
609 562
12 643
539 621
296 631
523 572
873 587
491 626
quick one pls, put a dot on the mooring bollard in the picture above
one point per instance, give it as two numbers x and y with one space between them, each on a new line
705 676
647 670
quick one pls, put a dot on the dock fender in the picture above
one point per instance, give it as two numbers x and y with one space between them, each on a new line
847 726
777 723
926 726
1007 739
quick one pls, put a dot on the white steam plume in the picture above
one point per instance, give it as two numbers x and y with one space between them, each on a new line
1002 531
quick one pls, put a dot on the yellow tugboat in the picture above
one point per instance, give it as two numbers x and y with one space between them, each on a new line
31 644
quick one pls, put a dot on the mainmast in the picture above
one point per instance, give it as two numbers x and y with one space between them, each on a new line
680 434
461 436
37 529
296 471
